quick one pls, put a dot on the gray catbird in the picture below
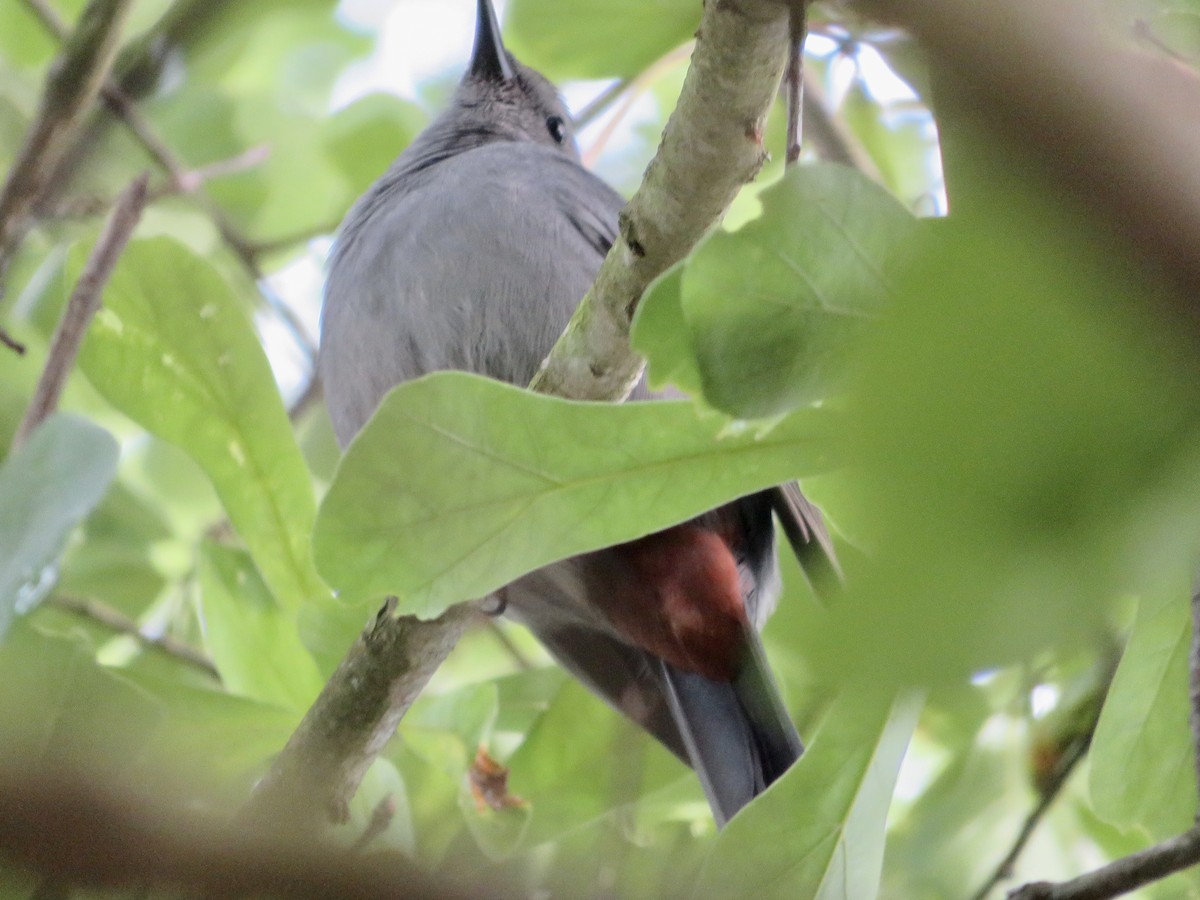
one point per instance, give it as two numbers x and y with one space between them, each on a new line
471 253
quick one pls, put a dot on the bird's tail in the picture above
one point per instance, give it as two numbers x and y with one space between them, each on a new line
738 735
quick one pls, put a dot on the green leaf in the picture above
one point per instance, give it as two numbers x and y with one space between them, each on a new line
459 484
364 137
1142 758
253 642
660 334
173 350
581 761
59 707
771 311
46 489
593 39
819 830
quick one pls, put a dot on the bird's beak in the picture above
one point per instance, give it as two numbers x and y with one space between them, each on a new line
489 61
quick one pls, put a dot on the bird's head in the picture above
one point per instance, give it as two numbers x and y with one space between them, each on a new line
501 99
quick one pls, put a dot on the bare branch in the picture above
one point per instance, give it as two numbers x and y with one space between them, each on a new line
82 306
712 145
70 89
1122 876
117 621
49 827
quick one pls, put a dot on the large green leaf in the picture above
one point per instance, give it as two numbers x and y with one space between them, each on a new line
767 314
46 488
174 351
460 484
819 830
1142 758
596 39
1021 449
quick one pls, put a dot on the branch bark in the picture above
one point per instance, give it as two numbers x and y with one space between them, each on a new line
711 147
315 776
70 89
1122 876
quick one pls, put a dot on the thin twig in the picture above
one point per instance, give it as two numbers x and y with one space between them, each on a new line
381 818
1122 876
115 620
794 78
307 398
72 85
828 136
11 342
1075 752
497 631
188 182
601 102
82 306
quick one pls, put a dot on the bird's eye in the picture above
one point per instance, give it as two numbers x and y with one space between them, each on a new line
557 128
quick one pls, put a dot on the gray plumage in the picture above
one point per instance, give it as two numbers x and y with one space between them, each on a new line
471 252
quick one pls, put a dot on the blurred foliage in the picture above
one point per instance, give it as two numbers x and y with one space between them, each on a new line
1001 431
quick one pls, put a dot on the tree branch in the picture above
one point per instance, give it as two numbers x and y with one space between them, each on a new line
82 306
71 87
1122 876
711 147
315 776
71 831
